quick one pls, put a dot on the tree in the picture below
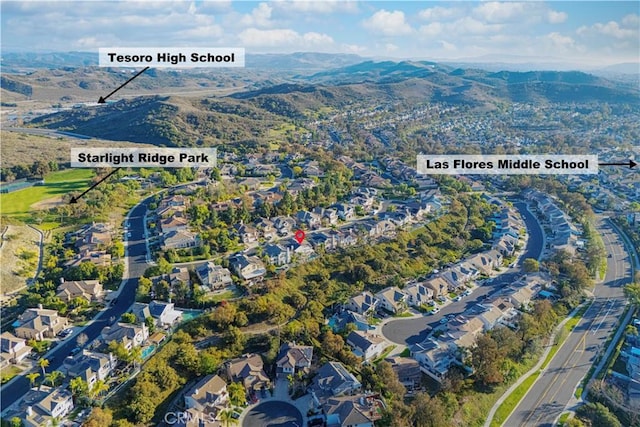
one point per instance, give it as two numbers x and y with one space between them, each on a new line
81 339
237 394
99 418
78 387
226 416
32 377
128 318
598 415
144 287
392 385
54 378
332 344
485 360
632 291
43 363
531 265
98 388
428 411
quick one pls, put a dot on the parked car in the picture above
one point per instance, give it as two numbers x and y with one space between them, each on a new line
444 320
75 351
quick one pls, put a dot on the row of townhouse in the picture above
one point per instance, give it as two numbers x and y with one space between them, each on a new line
565 235
436 355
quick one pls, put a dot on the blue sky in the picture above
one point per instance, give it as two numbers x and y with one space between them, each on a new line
581 32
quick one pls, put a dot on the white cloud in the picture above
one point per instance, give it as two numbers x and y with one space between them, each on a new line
388 23
610 29
317 6
631 20
259 17
500 11
353 48
285 37
439 13
556 17
431 30
560 40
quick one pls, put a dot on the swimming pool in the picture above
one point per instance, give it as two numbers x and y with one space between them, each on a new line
190 314
148 351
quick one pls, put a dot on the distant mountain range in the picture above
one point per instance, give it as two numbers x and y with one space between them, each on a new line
248 115
15 62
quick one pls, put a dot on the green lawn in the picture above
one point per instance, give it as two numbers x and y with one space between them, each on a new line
510 402
17 204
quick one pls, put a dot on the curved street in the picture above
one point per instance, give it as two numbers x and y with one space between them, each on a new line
407 331
136 264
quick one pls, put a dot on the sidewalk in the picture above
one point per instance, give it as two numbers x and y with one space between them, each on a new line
537 366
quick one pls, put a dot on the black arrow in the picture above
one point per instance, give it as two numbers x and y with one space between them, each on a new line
75 199
630 163
102 100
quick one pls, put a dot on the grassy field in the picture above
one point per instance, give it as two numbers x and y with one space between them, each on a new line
57 184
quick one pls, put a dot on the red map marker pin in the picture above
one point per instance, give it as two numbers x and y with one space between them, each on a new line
299 236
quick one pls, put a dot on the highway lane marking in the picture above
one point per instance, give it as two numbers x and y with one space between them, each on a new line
562 367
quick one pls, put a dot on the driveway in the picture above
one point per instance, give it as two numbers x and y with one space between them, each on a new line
273 413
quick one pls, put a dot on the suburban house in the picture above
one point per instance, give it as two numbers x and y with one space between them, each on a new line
89 290
39 323
365 344
208 396
408 371
90 366
333 379
284 225
180 239
99 258
246 233
95 236
435 357
127 334
363 303
43 406
165 314
277 255
353 411
438 285
342 319
12 348
418 294
392 299
173 223
214 276
345 212
265 228
308 219
248 370
293 357
247 267
141 311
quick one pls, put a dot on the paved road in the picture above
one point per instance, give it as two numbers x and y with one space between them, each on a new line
136 259
273 413
48 132
415 330
555 387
